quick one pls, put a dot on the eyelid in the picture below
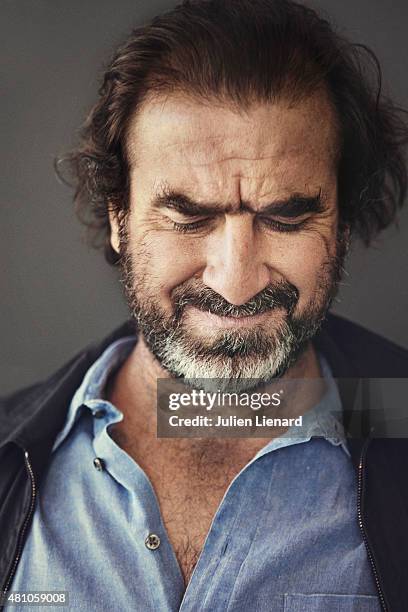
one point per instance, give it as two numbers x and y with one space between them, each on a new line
188 227
284 227
190 214
197 221
282 215
271 223
269 220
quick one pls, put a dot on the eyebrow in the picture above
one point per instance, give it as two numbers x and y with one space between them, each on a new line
293 206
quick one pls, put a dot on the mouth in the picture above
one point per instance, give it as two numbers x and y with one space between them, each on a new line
209 319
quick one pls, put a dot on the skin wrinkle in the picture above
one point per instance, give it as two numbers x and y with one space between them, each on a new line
231 263
245 238
135 131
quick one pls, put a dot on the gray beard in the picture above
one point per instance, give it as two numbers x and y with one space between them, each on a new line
239 354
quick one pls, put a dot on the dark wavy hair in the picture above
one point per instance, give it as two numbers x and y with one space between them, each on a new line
238 51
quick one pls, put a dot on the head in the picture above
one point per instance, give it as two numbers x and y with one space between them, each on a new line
235 148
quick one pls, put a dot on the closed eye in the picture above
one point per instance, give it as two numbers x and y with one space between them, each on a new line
177 220
190 227
280 226
187 221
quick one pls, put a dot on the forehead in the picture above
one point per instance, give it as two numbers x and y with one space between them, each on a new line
221 150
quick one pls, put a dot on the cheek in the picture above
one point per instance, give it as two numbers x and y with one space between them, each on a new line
301 260
165 259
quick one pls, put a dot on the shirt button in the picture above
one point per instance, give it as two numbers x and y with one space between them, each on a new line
98 464
152 541
99 414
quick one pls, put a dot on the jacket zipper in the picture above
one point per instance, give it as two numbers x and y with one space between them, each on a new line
361 467
26 521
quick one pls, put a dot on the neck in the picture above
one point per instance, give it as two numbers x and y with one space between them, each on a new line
133 391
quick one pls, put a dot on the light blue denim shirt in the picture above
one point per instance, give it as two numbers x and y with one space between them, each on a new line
284 538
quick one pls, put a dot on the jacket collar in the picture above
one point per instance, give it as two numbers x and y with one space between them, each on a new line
348 381
32 418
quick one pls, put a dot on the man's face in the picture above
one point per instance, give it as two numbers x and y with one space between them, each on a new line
230 251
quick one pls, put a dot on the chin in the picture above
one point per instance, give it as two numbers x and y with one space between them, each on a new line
249 369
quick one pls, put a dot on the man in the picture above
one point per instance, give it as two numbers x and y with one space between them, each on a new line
235 148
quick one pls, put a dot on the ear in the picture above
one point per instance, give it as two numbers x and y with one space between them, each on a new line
114 236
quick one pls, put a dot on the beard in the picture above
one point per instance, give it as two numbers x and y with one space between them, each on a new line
262 352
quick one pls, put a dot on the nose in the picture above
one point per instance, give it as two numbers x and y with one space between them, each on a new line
236 267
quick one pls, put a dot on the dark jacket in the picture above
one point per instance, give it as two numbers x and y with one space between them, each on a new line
31 419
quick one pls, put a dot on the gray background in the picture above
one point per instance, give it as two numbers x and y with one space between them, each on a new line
57 294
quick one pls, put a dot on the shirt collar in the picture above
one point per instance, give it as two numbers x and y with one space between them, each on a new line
324 420
94 382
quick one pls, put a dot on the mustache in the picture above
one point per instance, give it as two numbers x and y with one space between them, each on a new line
193 293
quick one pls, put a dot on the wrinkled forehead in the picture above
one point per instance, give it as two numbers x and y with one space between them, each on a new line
182 140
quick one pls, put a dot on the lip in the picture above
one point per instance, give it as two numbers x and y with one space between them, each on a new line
212 320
